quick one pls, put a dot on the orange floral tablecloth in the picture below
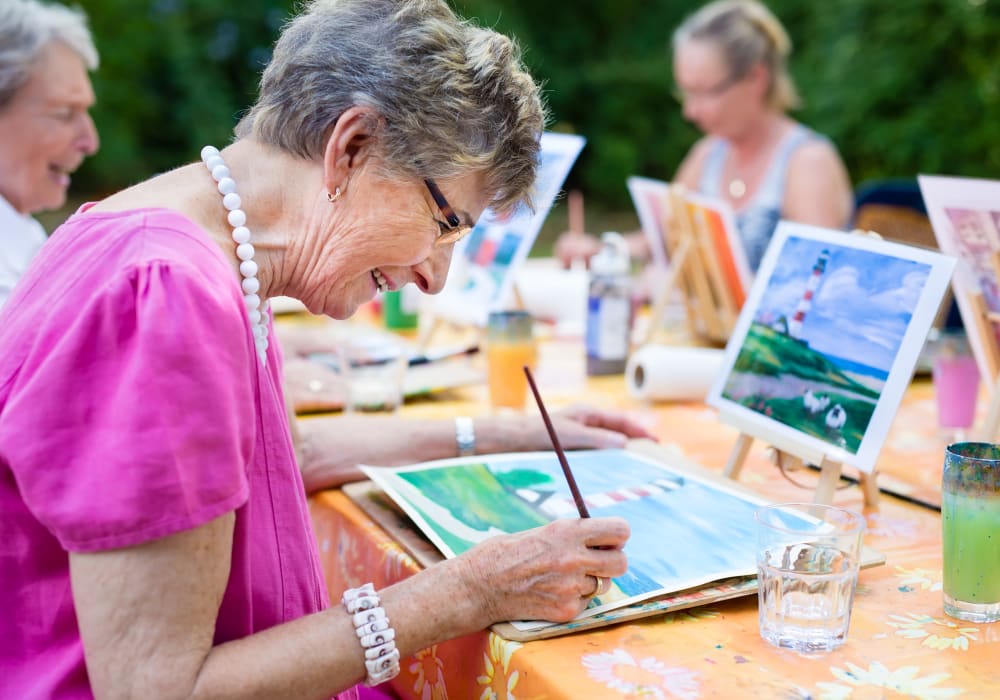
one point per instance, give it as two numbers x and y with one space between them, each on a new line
900 642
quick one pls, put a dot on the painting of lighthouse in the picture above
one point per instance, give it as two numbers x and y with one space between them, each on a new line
827 341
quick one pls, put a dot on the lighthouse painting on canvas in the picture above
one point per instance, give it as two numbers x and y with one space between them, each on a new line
829 336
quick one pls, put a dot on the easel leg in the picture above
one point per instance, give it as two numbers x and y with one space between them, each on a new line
829 475
869 487
738 456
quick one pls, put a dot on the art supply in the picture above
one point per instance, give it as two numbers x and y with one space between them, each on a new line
510 345
400 307
574 489
609 307
970 529
807 570
371 387
672 373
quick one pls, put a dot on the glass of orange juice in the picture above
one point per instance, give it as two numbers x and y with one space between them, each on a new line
510 345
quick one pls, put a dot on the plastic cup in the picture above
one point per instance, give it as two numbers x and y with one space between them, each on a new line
970 529
807 569
510 345
956 381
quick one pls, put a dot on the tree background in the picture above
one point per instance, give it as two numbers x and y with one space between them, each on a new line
901 87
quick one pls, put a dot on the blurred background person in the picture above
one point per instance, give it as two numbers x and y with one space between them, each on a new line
731 75
46 131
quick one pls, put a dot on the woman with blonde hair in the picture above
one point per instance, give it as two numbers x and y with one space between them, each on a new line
731 75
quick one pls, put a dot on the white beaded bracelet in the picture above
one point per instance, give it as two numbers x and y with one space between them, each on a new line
375 634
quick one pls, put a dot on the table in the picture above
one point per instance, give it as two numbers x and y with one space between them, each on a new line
900 643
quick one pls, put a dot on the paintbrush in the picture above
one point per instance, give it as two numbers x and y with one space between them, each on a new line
574 489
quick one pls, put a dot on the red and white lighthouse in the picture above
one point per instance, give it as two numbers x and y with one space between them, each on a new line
795 326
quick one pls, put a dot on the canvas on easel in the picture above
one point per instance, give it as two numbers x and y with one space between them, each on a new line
965 215
485 262
707 264
825 347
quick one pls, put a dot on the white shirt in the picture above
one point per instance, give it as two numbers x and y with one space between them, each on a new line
21 237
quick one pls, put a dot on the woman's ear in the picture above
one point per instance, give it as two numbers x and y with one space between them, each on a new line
348 146
760 76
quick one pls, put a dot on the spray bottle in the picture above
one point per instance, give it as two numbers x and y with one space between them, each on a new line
609 307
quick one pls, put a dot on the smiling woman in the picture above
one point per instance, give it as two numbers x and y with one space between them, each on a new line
45 126
146 457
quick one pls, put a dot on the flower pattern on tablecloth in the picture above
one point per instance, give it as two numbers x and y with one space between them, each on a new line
496 664
429 671
925 579
647 677
937 632
904 680
397 562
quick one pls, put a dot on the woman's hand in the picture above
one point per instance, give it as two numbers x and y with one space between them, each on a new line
574 245
548 573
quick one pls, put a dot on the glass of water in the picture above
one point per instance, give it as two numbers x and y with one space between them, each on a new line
807 569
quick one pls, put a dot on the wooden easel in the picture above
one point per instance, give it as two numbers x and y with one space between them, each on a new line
711 311
790 458
982 325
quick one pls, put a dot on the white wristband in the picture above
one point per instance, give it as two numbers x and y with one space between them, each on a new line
465 436
374 633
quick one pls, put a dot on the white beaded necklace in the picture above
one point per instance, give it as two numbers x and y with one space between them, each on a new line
256 310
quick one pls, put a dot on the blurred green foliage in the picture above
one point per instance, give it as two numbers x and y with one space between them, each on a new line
901 88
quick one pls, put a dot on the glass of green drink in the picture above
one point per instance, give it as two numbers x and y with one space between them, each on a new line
970 528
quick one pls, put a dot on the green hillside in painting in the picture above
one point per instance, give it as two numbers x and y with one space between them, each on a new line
474 496
768 352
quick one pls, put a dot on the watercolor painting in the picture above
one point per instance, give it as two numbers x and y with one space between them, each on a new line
965 215
482 271
828 338
710 528
714 217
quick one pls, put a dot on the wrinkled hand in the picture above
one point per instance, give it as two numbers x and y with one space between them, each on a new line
546 573
584 427
573 245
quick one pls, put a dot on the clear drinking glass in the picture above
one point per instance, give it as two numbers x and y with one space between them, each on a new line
970 529
807 569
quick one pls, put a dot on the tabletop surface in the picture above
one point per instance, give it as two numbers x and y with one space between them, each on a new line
900 642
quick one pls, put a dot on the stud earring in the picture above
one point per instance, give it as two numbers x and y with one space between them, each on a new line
334 196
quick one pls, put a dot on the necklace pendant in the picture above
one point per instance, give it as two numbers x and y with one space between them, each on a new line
737 188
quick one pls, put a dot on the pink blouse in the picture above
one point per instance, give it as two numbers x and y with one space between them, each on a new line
133 406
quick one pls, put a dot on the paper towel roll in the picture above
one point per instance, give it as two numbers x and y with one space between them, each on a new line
672 373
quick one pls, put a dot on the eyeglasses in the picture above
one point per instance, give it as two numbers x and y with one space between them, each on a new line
713 91
454 230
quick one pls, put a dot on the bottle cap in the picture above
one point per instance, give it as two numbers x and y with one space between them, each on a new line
613 257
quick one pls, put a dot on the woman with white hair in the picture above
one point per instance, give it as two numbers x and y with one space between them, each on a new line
159 541
45 125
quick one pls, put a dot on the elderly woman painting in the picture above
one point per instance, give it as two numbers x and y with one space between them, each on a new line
45 127
159 542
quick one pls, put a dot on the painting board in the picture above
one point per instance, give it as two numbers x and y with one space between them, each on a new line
718 225
651 199
485 262
965 215
826 343
462 501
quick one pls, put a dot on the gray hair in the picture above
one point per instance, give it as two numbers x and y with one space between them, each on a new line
450 98
26 28
748 34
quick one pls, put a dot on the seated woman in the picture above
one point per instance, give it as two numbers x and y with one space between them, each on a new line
731 73
162 542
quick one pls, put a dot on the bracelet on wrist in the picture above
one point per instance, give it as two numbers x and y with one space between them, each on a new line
375 634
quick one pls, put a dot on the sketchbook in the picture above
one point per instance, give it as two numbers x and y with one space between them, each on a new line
708 521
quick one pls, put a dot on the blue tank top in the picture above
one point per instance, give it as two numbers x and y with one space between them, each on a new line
758 219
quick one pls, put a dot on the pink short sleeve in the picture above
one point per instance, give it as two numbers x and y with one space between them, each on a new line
125 421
